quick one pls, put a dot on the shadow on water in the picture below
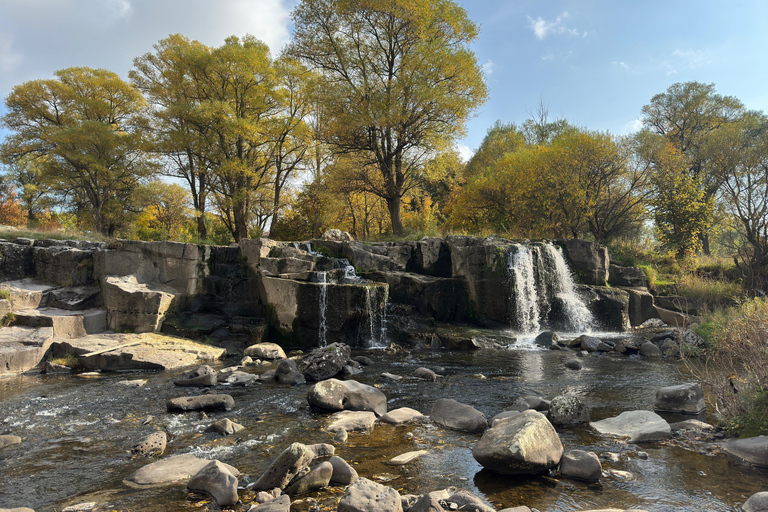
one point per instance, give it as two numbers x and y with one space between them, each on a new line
76 432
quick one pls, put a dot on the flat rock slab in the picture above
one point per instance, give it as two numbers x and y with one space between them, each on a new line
402 415
22 348
352 420
175 469
9 440
212 402
406 458
638 426
26 293
66 323
752 450
153 351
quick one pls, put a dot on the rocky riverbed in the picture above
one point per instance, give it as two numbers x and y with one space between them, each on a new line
77 432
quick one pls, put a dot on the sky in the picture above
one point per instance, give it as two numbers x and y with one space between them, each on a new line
592 62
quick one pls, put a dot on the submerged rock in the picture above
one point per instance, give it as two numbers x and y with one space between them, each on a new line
457 416
177 468
523 444
581 465
212 402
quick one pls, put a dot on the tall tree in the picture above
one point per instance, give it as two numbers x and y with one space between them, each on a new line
166 79
685 116
399 82
87 127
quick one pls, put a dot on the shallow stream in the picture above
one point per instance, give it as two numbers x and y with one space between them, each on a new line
76 432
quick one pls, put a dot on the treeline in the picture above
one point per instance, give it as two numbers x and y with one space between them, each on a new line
352 127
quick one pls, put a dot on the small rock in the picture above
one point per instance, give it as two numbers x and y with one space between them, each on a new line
402 415
9 440
341 436
573 365
322 449
567 410
211 402
80 507
202 376
457 416
581 465
351 421
216 480
153 444
405 458
268 351
136 383
288 373
758 502
391 376
642 455
225 427
365 495
292 461
650 350
317 478
239 378
425 374
343 473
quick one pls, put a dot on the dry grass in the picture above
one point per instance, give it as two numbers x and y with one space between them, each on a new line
716 292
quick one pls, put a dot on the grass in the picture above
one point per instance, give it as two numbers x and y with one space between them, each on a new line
69 359
5 294
715 292
8 320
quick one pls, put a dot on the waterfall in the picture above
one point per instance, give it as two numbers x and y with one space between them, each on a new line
323 305
377 333
538 278
521 271
576 312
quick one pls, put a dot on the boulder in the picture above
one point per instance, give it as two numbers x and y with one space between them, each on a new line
610 306
752 450
288 373
581 465
292 461
425 503
758 502
22 348
364 495
589 343
280 504
337 395
202 376
640 306
523 444
638 426
684 398
9 440
134 306
343 473
547 339
239 378
567 410
225 427
502 416
402 415
268 351
326 362
211 402
322 449
153 444
425 374
457 416
627 276
650 350
317 478
588 260
465 501
573 364
216 479
349 421
178 468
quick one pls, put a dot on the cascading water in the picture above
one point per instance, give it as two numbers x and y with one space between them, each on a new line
539 276
521 270
576 312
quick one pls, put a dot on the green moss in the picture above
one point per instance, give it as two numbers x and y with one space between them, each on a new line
325 251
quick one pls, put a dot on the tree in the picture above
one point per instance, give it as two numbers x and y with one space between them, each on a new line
398 82
165 207
87 131
685 116
33 192
167 80
501 138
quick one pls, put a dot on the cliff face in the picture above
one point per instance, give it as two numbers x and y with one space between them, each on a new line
305 293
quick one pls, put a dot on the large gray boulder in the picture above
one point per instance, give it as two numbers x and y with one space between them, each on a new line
627 276
367 496
581 465
216 479
752 450
178 468
22 348
454 415
523 444
265 351
638 426
133 306
325 362
207 403
685 398
350 395
758 502
568 410
292 461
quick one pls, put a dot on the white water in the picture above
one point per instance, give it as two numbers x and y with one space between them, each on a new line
538 275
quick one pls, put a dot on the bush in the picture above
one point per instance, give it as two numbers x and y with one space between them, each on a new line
712 291
736 368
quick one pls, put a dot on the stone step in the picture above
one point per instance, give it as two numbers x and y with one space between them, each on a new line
27 293
65 323
22 348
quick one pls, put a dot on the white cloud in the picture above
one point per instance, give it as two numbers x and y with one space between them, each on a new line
691 59
631 127
487 68
543 28
620 65
465 152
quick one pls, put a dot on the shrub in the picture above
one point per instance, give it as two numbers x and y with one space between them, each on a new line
736 368
712 291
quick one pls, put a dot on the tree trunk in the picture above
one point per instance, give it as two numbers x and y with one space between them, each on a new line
393 205
705 244
202 230
240 213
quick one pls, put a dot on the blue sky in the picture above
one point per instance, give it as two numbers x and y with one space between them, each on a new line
594 62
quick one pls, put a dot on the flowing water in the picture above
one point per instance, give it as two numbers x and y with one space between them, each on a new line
76 432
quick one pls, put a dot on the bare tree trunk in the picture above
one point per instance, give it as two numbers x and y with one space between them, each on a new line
393 205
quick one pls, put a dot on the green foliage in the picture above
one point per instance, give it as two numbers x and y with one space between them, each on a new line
5 294
8 319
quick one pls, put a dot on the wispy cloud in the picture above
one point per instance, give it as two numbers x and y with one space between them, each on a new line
487 67
542 28
631 127
620 65
465 152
